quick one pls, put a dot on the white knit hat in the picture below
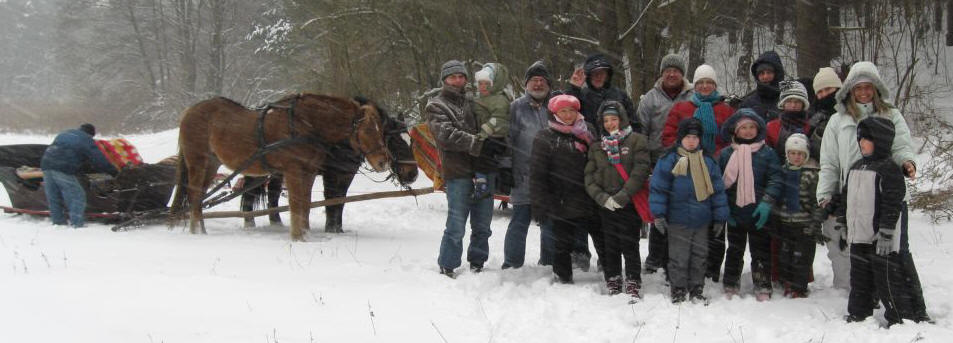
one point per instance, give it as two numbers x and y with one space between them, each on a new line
705 71
793 90
485 74
797 142
826 77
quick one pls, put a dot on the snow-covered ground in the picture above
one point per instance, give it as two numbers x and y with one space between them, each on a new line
378 282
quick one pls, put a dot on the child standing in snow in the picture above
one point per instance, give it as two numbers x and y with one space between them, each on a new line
686 196
872 200
798 216
618 167
753 182
492 114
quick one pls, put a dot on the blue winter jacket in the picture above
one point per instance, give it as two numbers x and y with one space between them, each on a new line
767 181
70 151
673 197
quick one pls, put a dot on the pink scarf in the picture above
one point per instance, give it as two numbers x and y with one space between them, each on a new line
578 128
739 169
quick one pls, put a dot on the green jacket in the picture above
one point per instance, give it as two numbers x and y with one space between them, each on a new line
492 111
603 180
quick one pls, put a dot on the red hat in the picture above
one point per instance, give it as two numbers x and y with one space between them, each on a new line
560 101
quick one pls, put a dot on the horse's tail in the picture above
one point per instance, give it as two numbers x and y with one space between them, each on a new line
180 198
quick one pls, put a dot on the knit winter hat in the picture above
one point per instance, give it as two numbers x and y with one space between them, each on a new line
793 90
563 100
797 142
690 126
88 128
826 77
537 69
763 66
453 67
485 74
672 61
705 71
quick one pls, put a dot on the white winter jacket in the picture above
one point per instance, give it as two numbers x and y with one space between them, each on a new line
839 147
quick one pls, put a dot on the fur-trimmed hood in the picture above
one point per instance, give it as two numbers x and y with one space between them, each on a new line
623 115
862 71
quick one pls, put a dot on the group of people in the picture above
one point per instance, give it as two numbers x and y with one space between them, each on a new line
795 164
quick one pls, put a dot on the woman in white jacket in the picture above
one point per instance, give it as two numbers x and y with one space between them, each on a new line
864 94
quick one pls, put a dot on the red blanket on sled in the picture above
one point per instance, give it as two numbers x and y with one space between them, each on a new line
119 152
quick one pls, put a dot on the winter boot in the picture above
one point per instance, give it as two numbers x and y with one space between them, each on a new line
678 295
614 285
633 288
476 267
850 318
448 272
730 292
696 295
762 296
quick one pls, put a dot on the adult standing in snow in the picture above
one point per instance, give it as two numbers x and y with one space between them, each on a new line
528 115
62 160
592 85
557 181
710 109
826 85
454 126
864 95
768 73
654 106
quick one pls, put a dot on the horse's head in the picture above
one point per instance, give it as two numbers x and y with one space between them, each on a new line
368 138
404 167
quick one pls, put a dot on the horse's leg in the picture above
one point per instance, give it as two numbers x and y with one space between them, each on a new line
299 200
197 187
336 183
249 198
274 193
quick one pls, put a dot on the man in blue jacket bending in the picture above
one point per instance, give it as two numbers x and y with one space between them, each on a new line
62 160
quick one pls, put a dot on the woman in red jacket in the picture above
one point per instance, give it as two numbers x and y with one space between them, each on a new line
706 105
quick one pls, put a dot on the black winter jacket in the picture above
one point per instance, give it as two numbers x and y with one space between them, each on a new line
557 177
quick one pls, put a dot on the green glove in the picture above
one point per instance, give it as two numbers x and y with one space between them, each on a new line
762 213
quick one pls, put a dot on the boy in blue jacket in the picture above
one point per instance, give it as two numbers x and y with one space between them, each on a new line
686 196
752 175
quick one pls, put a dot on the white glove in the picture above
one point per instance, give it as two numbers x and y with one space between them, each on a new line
611 205
885 242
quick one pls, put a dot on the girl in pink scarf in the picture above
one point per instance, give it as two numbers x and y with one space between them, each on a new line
752 176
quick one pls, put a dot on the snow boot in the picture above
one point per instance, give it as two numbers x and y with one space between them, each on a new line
678 295
580 261
696 295
633 288
448 272
614 285
476 267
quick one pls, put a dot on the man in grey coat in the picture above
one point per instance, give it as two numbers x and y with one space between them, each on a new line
528 115
653 110
454 126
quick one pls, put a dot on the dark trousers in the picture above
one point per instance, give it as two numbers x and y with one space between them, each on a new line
620 230
716 254
760 241
872 275
688 252
658 250
564 230
911 277
796 255
271 190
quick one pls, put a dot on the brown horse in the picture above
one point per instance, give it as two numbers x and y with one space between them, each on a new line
221 131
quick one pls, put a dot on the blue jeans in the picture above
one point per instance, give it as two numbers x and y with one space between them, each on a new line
460 205
64 191
514 245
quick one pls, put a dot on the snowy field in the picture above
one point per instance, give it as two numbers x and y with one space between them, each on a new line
378 282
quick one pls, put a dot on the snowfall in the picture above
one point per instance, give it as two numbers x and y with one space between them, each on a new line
379 282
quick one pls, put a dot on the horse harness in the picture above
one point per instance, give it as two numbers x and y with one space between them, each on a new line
265 148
